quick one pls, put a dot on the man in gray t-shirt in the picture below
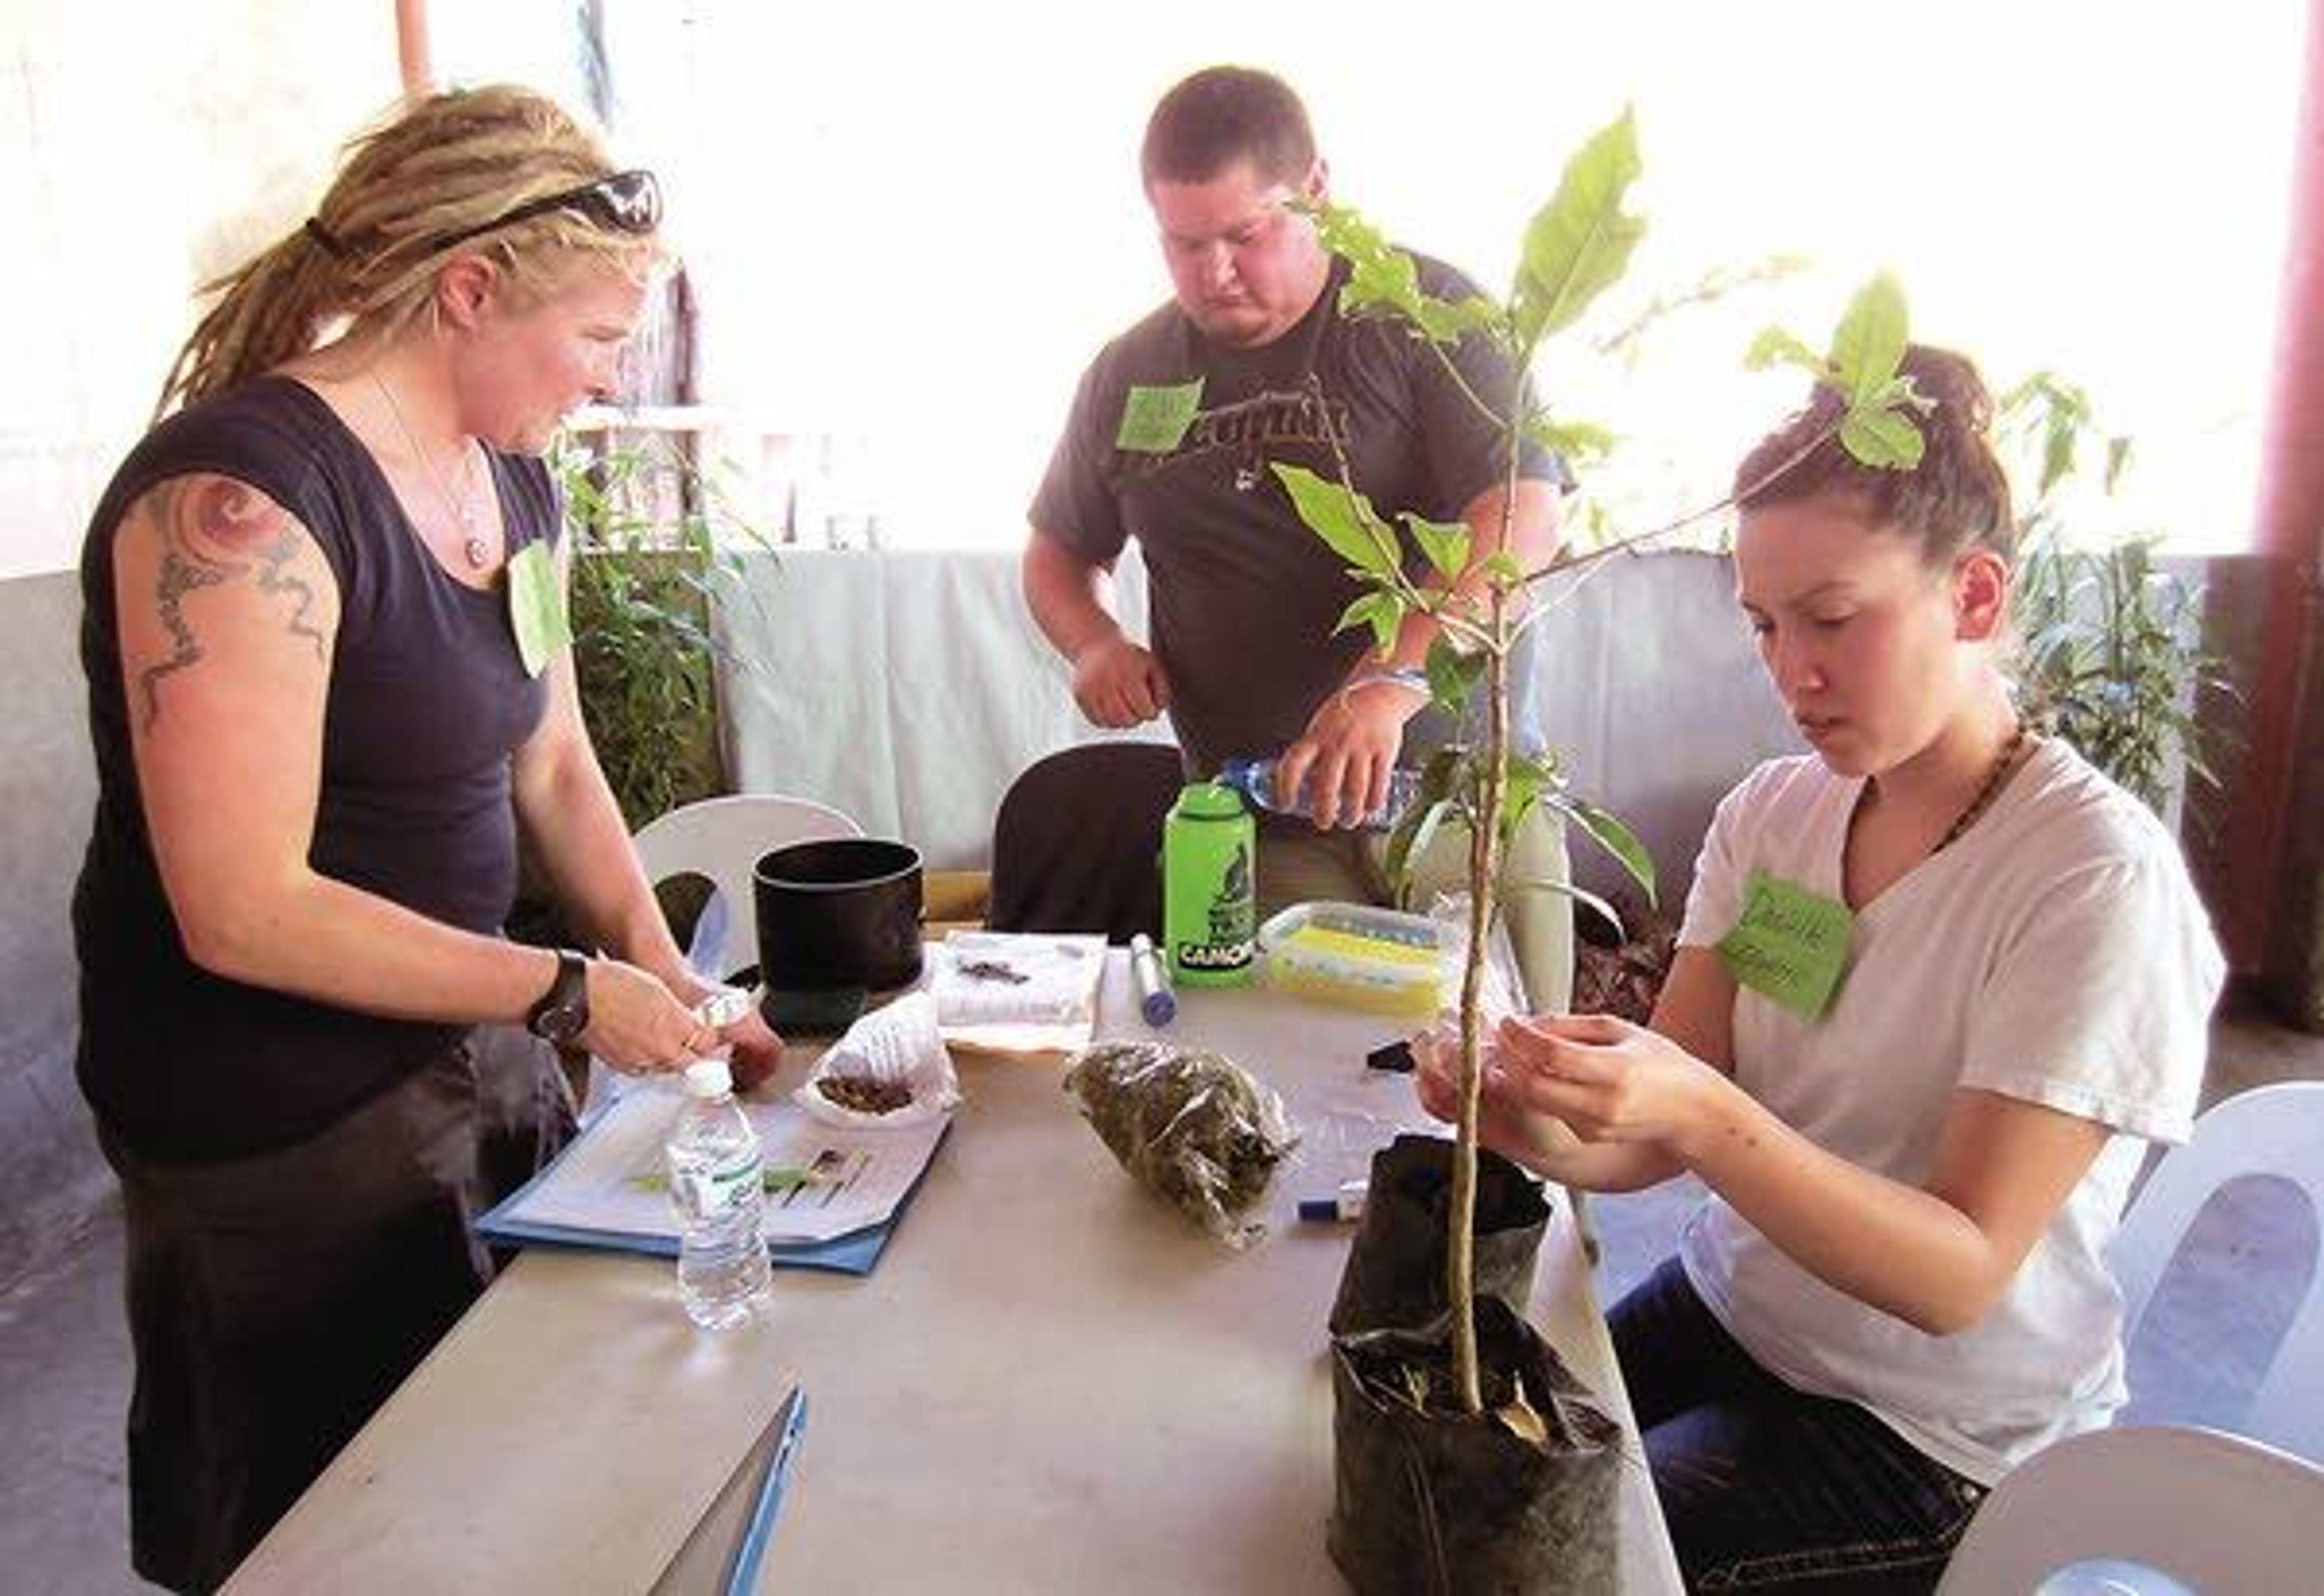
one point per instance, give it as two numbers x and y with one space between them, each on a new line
1169 441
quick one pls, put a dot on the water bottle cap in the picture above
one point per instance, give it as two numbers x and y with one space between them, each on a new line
1207 800
709 1077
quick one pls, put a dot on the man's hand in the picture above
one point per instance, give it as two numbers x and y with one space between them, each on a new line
1118 683
1343 761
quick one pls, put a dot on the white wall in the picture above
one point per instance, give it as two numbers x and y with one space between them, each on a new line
142 148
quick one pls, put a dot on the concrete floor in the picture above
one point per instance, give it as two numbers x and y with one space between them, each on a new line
64 1347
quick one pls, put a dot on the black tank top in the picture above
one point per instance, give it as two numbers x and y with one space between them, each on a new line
428 699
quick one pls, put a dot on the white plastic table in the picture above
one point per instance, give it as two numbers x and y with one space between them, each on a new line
1051 1382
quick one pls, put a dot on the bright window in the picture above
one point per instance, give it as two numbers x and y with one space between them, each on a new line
909 227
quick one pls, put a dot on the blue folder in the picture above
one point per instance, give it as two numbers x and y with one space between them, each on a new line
855 1253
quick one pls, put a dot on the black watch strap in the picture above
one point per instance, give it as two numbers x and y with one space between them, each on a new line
562 1013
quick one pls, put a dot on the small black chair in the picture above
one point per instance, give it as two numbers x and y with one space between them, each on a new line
1077 845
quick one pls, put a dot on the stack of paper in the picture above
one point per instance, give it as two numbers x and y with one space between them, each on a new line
1004 992
833 1193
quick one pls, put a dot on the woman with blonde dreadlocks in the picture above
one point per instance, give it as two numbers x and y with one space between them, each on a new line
325 645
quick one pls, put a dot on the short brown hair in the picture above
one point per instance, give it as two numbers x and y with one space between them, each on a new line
1223 115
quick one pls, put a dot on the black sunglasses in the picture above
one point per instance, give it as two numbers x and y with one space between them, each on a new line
626 202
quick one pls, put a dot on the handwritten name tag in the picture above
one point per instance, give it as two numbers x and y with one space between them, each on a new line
1790 945
536 607
1153 420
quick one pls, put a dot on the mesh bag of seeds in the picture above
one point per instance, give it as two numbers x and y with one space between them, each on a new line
1191 1125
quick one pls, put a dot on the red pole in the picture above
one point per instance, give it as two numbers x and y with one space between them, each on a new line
2288 533
411 47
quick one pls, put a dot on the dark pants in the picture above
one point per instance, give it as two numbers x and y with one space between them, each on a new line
276 1300
1766 1487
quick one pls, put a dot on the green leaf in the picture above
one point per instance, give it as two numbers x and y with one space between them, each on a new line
1612 836
1385 280
1453 675
1568 889
1577 443
1504 568
1342 518
1883 438
1778 346
1868 345
1448 321
1380 275
1579 243
1521 788
1384 613
1410 841
1444 542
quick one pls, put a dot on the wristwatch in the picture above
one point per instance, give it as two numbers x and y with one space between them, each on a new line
563 1013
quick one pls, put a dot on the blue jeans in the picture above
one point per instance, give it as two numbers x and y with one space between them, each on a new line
1766 1487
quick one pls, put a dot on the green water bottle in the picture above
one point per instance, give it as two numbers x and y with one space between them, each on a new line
1210 911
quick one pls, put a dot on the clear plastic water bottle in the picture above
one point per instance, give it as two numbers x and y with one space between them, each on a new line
717 1187
1255 780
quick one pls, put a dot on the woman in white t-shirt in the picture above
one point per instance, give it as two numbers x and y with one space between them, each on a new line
1939 984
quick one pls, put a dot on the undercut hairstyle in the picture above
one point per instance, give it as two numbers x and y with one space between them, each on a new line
1223 115
1956 498
367 258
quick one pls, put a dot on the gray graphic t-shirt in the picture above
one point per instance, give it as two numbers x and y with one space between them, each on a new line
1170 440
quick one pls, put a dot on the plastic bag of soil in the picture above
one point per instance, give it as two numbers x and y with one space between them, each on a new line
1191 1125
1395 1273
1430 1501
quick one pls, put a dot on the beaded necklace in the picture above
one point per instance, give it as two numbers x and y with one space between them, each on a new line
2002 764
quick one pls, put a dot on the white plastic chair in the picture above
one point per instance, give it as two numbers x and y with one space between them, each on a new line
722 839
2213 1512
2277 1130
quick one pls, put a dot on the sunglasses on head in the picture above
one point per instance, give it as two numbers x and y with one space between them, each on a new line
626 202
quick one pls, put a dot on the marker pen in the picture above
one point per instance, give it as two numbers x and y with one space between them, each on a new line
1156 1001
1343 1208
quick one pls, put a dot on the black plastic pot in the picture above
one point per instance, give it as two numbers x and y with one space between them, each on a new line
1395 1274
838 914
1429 1501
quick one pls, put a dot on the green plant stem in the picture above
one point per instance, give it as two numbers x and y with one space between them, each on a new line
1484 875
1459 380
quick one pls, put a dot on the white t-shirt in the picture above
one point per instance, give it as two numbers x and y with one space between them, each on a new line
2056 953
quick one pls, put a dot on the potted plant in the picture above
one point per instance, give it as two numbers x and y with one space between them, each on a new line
2115 657
1466 1456
646 528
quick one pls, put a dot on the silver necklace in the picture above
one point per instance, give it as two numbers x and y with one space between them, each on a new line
472 544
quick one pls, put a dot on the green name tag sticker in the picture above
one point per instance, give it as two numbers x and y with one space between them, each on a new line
1791 945
1153 420
536 607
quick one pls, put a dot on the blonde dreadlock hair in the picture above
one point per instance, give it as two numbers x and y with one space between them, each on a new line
369 255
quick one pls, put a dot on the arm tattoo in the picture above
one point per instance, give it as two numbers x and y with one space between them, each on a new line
180 576
214 530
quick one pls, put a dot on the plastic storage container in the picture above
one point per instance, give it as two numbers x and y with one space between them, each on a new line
1358 956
